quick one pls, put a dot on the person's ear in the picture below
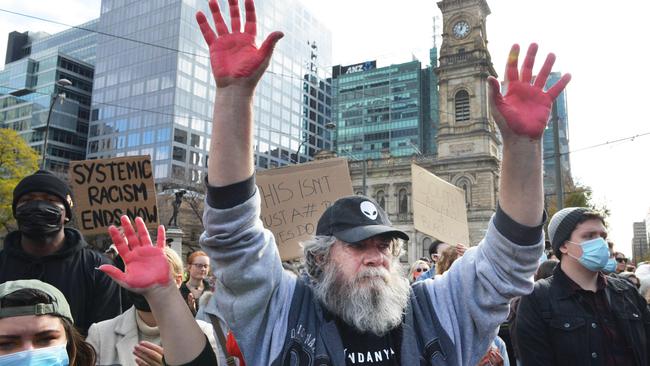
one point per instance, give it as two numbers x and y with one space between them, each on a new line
563 248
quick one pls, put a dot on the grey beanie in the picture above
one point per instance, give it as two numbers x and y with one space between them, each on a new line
562 225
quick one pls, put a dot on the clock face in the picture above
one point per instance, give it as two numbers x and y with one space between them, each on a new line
461 29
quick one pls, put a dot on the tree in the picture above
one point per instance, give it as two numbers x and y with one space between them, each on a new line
575 195
17 160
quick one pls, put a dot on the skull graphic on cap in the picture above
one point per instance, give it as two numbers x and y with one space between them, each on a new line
369 209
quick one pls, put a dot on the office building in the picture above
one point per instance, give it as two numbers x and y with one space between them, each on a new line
382 112
640 247
154 96
560 112
28 84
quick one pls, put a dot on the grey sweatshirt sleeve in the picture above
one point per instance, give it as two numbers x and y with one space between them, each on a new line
254 292
471 299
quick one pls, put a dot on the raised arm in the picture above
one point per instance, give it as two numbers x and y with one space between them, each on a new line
471 299
522 115
237 66
147 272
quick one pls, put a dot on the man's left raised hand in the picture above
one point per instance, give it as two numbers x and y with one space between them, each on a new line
525 108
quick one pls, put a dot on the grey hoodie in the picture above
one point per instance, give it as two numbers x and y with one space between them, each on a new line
467 303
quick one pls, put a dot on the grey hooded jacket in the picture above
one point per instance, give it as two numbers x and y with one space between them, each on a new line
274 316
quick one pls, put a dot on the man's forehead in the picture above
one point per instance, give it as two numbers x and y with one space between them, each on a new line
591 225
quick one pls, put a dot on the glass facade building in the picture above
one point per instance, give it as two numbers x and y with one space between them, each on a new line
28 82
549 145
154 96
384 111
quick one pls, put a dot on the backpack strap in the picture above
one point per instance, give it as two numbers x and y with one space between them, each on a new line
230 360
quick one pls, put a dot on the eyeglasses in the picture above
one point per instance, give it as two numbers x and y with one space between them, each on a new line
201 266
621 260
421 269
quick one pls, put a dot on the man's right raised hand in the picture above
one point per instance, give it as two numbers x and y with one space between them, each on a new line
234 57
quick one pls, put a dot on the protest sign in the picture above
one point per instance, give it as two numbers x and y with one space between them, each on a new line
294 198
104 190
439 208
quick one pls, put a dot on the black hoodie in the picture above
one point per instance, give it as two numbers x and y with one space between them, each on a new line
92 295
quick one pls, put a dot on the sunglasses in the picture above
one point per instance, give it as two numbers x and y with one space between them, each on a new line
621 260
421 269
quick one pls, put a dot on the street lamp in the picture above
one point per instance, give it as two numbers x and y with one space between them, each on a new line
62 83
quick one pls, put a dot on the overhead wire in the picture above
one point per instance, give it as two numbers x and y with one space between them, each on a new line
171 49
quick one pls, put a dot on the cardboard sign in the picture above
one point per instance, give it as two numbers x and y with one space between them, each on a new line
439 208
295 197
104 190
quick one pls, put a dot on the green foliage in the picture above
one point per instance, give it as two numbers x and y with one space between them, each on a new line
575 195
17 160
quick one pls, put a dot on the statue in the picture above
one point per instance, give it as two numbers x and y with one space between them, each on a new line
176 205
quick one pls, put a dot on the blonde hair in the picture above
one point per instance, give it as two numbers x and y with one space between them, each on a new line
415 265
447 257
174 260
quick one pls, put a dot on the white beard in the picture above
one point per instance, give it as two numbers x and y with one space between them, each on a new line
373 301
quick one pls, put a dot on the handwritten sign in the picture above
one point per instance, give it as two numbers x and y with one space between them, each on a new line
439 208
104 190
294 198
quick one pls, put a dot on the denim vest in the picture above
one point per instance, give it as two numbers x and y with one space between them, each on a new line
313 339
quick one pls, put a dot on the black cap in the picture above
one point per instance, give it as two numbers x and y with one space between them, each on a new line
356 218
43 181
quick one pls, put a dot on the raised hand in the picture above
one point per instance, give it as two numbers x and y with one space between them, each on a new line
525 108
233 55
146 265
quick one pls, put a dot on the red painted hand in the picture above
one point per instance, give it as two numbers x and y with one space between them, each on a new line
525 108
146 265
234 57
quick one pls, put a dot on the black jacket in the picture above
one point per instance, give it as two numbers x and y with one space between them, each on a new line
92 295
553 328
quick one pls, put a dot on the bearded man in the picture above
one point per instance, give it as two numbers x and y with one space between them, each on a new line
355 307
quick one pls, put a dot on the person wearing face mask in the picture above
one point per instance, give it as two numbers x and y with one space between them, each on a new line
37 329
580 316
43 248
133 338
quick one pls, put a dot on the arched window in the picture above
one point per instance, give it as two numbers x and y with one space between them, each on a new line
467 187
403 202
461 101
381 199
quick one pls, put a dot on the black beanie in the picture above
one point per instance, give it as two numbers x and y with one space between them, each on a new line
562 225
43 181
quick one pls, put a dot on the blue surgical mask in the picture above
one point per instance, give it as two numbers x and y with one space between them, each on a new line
49 356
610 266
595 254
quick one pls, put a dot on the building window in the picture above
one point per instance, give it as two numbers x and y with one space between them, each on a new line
179 154
467 188
381 199
462 106
403 202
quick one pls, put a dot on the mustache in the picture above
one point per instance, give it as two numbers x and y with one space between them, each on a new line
372 273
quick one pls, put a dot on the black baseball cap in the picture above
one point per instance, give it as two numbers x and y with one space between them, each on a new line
356 218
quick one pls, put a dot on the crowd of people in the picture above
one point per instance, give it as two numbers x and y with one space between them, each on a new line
512 299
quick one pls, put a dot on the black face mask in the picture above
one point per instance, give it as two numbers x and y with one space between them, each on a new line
39 220
139 301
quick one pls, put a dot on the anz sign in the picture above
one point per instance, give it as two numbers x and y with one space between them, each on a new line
351 69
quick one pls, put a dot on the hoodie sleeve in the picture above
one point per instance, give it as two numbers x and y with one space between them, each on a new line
471 299
254 292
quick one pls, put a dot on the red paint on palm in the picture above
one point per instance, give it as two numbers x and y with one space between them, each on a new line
146 265
525 108
233 55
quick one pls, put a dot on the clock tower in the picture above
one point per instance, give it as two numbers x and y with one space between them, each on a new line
469 146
